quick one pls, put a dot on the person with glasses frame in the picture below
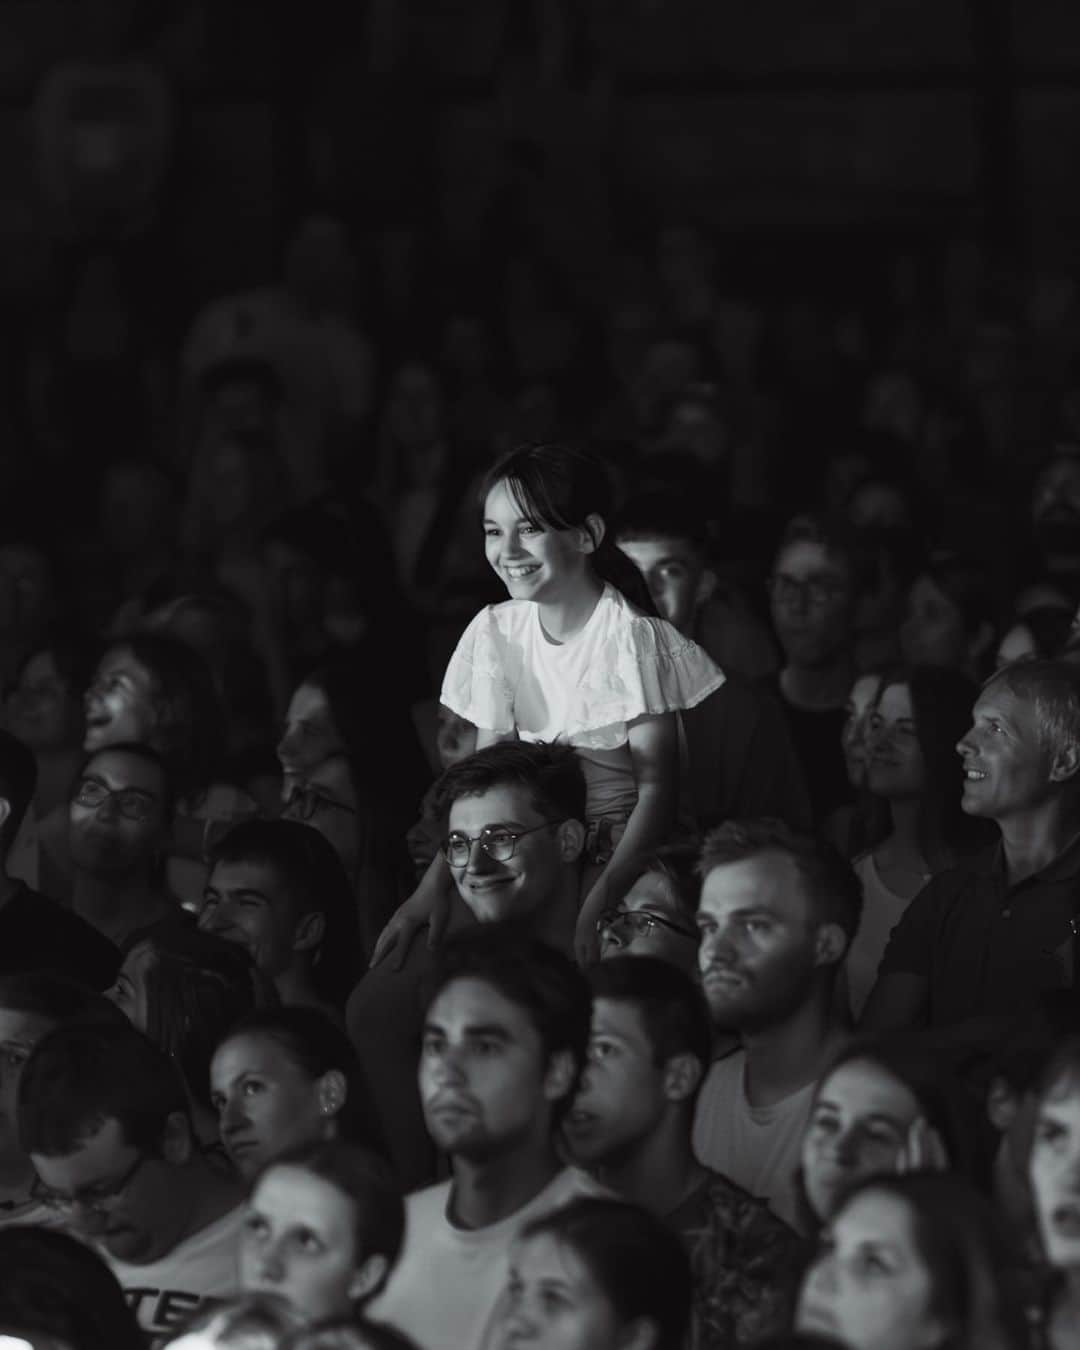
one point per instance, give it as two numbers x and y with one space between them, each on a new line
656 918
102 1114
514 840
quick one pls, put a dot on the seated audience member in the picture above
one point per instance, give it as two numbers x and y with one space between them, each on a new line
278 889
287 1077
887 1105
913 770
776 915
57 1291
656 916
118 828
334 756
987 937
516 832
241 1322
31 1005
504 1042
103 1116
322 1227
596 1272
850 825
814 590
1039 634
36 932
630 1125
1054 1163
943 1270
668 542
949 618
184 989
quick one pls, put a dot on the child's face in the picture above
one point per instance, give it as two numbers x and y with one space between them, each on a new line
675 574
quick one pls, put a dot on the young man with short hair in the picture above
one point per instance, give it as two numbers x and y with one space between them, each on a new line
739 757
36 933
630 1125
986 938
656 917
515 817
278 888
119 819
777 914
103 1115
503 1046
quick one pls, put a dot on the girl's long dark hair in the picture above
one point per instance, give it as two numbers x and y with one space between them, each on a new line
560 486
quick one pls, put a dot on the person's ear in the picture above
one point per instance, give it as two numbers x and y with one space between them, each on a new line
1001 1105
332 1092
559 1077
5 811
571 838
830 944
1066 762
368 1276
593 532
706 587
682 1074
309 931
176 1143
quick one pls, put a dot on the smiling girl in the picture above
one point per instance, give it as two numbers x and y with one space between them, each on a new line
570 658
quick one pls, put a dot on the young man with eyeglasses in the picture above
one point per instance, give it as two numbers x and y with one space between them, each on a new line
277 888
813 592
630 1126
119 818
36 933
103 1115
656 916
514 838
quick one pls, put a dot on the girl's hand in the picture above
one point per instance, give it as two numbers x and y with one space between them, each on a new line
923 1150
422 907
586 938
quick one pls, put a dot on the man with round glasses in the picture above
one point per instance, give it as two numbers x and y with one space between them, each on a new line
656 916
119 820
514 838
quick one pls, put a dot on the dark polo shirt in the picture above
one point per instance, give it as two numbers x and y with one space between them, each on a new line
984 947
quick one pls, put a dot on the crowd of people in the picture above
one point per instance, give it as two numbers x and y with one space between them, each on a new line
501 857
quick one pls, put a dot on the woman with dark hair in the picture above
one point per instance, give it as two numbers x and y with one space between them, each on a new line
57 1288
590 1275
354 770
887 1104
323 1227
913 767
286 1077
184 989
912 1262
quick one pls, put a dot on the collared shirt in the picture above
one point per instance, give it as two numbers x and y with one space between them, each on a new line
986 947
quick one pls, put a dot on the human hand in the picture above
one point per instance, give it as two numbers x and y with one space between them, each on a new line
586 937
396 938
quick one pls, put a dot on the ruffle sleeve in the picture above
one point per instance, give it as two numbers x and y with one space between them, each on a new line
478 684
646 668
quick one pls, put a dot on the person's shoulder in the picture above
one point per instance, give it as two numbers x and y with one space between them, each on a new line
721 1205
427 1206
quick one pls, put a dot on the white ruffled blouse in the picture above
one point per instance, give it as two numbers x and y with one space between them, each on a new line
506 674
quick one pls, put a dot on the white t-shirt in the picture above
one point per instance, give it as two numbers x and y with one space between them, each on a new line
165 1293
448 1280
757 1147
881 912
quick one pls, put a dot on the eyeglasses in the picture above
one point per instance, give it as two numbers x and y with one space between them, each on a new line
305 801
640 922
94 1198
814 592
497 843
132 803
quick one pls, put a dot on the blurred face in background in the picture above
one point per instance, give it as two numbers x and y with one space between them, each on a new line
119 703
896 768
44 710
811 604
853 737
